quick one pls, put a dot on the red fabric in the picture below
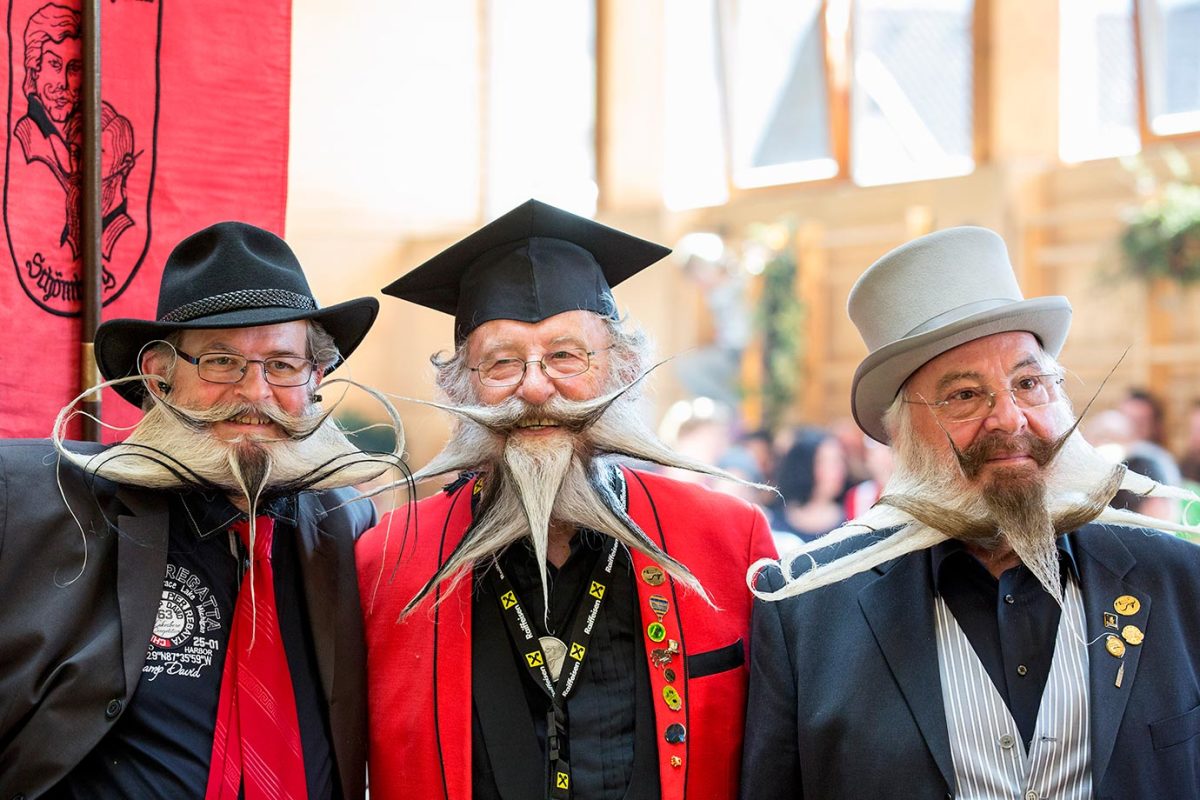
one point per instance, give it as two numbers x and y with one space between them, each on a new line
716 535
195 130
257 738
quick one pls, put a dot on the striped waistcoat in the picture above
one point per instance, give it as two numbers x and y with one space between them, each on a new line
989 756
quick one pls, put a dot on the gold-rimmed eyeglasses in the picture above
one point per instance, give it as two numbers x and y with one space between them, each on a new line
965 403
557 364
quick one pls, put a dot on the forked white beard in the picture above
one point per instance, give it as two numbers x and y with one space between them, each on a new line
533 482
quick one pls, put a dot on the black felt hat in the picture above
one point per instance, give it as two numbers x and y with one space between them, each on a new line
530 264
229 275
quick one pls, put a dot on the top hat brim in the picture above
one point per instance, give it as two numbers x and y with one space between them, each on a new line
119 342
880 376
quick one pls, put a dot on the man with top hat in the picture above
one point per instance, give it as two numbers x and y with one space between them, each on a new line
552 623
991 627
181 615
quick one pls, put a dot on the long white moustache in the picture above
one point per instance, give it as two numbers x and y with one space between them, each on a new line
316 455
1072 481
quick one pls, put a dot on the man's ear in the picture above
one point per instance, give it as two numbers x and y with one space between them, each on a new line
155 362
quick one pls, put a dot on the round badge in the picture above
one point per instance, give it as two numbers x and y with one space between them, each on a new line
1132 634
653 575
672 698
656 631
1127 604
675 733
669 674
1115 646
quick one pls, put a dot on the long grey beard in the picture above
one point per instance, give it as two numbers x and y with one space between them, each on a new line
927 503
532 482
173 448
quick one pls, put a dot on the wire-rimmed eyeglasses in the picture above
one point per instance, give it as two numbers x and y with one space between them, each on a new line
965 403
231 368
558 364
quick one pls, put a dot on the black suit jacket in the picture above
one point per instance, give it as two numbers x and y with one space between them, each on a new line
77 610
846 702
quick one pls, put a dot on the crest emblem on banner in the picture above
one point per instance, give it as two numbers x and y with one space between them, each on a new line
43 167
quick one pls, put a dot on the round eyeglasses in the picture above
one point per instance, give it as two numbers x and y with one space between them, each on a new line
967 403
556 365
231 368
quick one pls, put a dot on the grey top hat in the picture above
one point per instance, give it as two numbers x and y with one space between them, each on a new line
229 275
932 295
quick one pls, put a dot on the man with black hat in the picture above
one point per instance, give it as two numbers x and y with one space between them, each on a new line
181 618
556 625
984 631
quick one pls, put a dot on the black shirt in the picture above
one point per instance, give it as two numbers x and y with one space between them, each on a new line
1012 623
161 746
610 721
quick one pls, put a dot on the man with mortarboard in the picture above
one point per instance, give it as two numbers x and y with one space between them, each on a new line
181 615
984 631
556 625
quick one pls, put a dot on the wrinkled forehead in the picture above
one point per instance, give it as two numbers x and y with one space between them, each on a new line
584 329
989 359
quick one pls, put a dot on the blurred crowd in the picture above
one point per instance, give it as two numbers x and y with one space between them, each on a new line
826 475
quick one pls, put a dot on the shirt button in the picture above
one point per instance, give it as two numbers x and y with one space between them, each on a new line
1032 795
1007 741
1022 669
114 708
1008 598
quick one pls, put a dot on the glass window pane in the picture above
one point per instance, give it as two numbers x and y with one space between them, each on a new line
541 109
911 94
694 169
1097 97
780 115
1171 57
356 88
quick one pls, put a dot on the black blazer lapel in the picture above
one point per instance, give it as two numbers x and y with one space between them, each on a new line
899 608
1103 563
141 564
318 565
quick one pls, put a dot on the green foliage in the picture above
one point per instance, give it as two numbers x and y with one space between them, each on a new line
1163 238
780 320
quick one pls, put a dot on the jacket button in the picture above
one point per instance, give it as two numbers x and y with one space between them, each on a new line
114 708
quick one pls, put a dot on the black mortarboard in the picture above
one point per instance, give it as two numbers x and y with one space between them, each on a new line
532 263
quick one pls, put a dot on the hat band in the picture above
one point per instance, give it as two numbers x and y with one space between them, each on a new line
960 312
236 301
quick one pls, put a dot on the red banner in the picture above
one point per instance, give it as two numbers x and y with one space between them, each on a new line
195 130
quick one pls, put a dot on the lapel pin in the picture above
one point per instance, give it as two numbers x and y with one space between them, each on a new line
1114 646
653 575
1132 634
1127 605
1110 620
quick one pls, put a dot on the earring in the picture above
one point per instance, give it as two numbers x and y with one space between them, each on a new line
164 387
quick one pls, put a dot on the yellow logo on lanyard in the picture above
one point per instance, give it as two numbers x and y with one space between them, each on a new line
534 658
597 590
562 780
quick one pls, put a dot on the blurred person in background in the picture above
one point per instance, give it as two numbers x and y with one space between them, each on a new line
861 496
811 478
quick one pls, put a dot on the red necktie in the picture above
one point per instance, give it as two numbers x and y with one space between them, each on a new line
257 738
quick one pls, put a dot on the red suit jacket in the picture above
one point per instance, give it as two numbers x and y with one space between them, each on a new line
419 670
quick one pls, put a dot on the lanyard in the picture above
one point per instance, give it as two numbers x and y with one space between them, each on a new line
545 656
